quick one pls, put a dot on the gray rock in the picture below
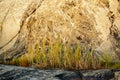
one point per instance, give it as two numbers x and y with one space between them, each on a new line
22 73
8 72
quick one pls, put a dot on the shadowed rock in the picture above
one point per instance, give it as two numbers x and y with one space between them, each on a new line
87 75
23 73
70 76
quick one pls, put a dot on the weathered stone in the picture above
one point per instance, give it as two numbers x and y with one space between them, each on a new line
25 23
22 73
117 75
9 46
11 13
70 76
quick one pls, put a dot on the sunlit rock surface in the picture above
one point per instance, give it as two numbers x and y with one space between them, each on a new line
94 23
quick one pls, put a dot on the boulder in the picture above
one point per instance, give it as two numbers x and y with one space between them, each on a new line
93 24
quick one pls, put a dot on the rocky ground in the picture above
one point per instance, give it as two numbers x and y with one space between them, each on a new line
8 72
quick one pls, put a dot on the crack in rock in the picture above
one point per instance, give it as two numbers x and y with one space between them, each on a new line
19 47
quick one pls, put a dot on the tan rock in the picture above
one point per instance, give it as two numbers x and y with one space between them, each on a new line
93 23
11 12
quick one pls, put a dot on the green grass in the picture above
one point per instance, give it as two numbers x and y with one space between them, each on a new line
57 55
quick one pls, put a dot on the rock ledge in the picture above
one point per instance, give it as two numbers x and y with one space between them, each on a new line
8 72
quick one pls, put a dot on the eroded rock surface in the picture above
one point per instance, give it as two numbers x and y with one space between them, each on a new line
22 73
25 23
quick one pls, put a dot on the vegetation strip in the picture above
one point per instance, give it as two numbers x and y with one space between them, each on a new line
71 57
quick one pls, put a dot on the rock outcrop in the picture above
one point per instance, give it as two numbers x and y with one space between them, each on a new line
25 23
22 73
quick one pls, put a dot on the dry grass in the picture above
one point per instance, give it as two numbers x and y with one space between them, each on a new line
62 56
74 26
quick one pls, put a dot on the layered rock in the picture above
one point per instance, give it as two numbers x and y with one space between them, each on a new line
91 23
22 73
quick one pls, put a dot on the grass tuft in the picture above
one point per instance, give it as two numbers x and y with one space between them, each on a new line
57 55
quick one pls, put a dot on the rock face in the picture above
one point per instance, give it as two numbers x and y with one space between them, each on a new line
25 23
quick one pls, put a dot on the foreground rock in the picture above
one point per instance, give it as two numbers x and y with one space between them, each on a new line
24 23
22 73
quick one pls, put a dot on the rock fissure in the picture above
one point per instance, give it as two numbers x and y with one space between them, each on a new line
19 47
1 25
114 33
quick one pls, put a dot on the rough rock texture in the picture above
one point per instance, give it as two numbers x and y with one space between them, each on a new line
22 73
24 23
